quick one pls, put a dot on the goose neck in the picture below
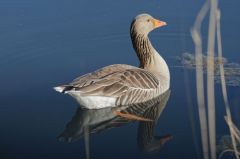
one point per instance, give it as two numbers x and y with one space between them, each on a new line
149 58
143 48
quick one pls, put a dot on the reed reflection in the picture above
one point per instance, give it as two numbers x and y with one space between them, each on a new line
100 120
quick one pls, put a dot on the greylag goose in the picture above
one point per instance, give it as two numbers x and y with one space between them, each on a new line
122 84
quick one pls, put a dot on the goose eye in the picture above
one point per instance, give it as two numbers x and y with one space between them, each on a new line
148 20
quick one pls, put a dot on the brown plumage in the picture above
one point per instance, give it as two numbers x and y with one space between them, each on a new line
121 84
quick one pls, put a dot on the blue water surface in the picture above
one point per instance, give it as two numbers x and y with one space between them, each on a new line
44 43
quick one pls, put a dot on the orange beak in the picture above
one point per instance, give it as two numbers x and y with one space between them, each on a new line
158 23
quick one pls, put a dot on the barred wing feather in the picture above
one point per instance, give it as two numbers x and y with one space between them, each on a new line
126 84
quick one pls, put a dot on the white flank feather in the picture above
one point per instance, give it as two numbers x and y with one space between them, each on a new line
93 102
59 89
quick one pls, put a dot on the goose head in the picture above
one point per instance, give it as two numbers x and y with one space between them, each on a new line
145 23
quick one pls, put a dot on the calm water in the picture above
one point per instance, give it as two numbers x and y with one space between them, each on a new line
49 42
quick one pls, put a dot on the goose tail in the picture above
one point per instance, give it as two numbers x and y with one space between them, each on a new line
63 88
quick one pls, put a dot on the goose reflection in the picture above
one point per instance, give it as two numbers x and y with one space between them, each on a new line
99 120
147 141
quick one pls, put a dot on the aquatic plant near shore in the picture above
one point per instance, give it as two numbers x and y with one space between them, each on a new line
211 67
231 69
225 147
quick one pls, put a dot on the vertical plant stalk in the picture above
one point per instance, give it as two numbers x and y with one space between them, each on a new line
235 131
210 78
196 35
87 143
223 83
191 115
